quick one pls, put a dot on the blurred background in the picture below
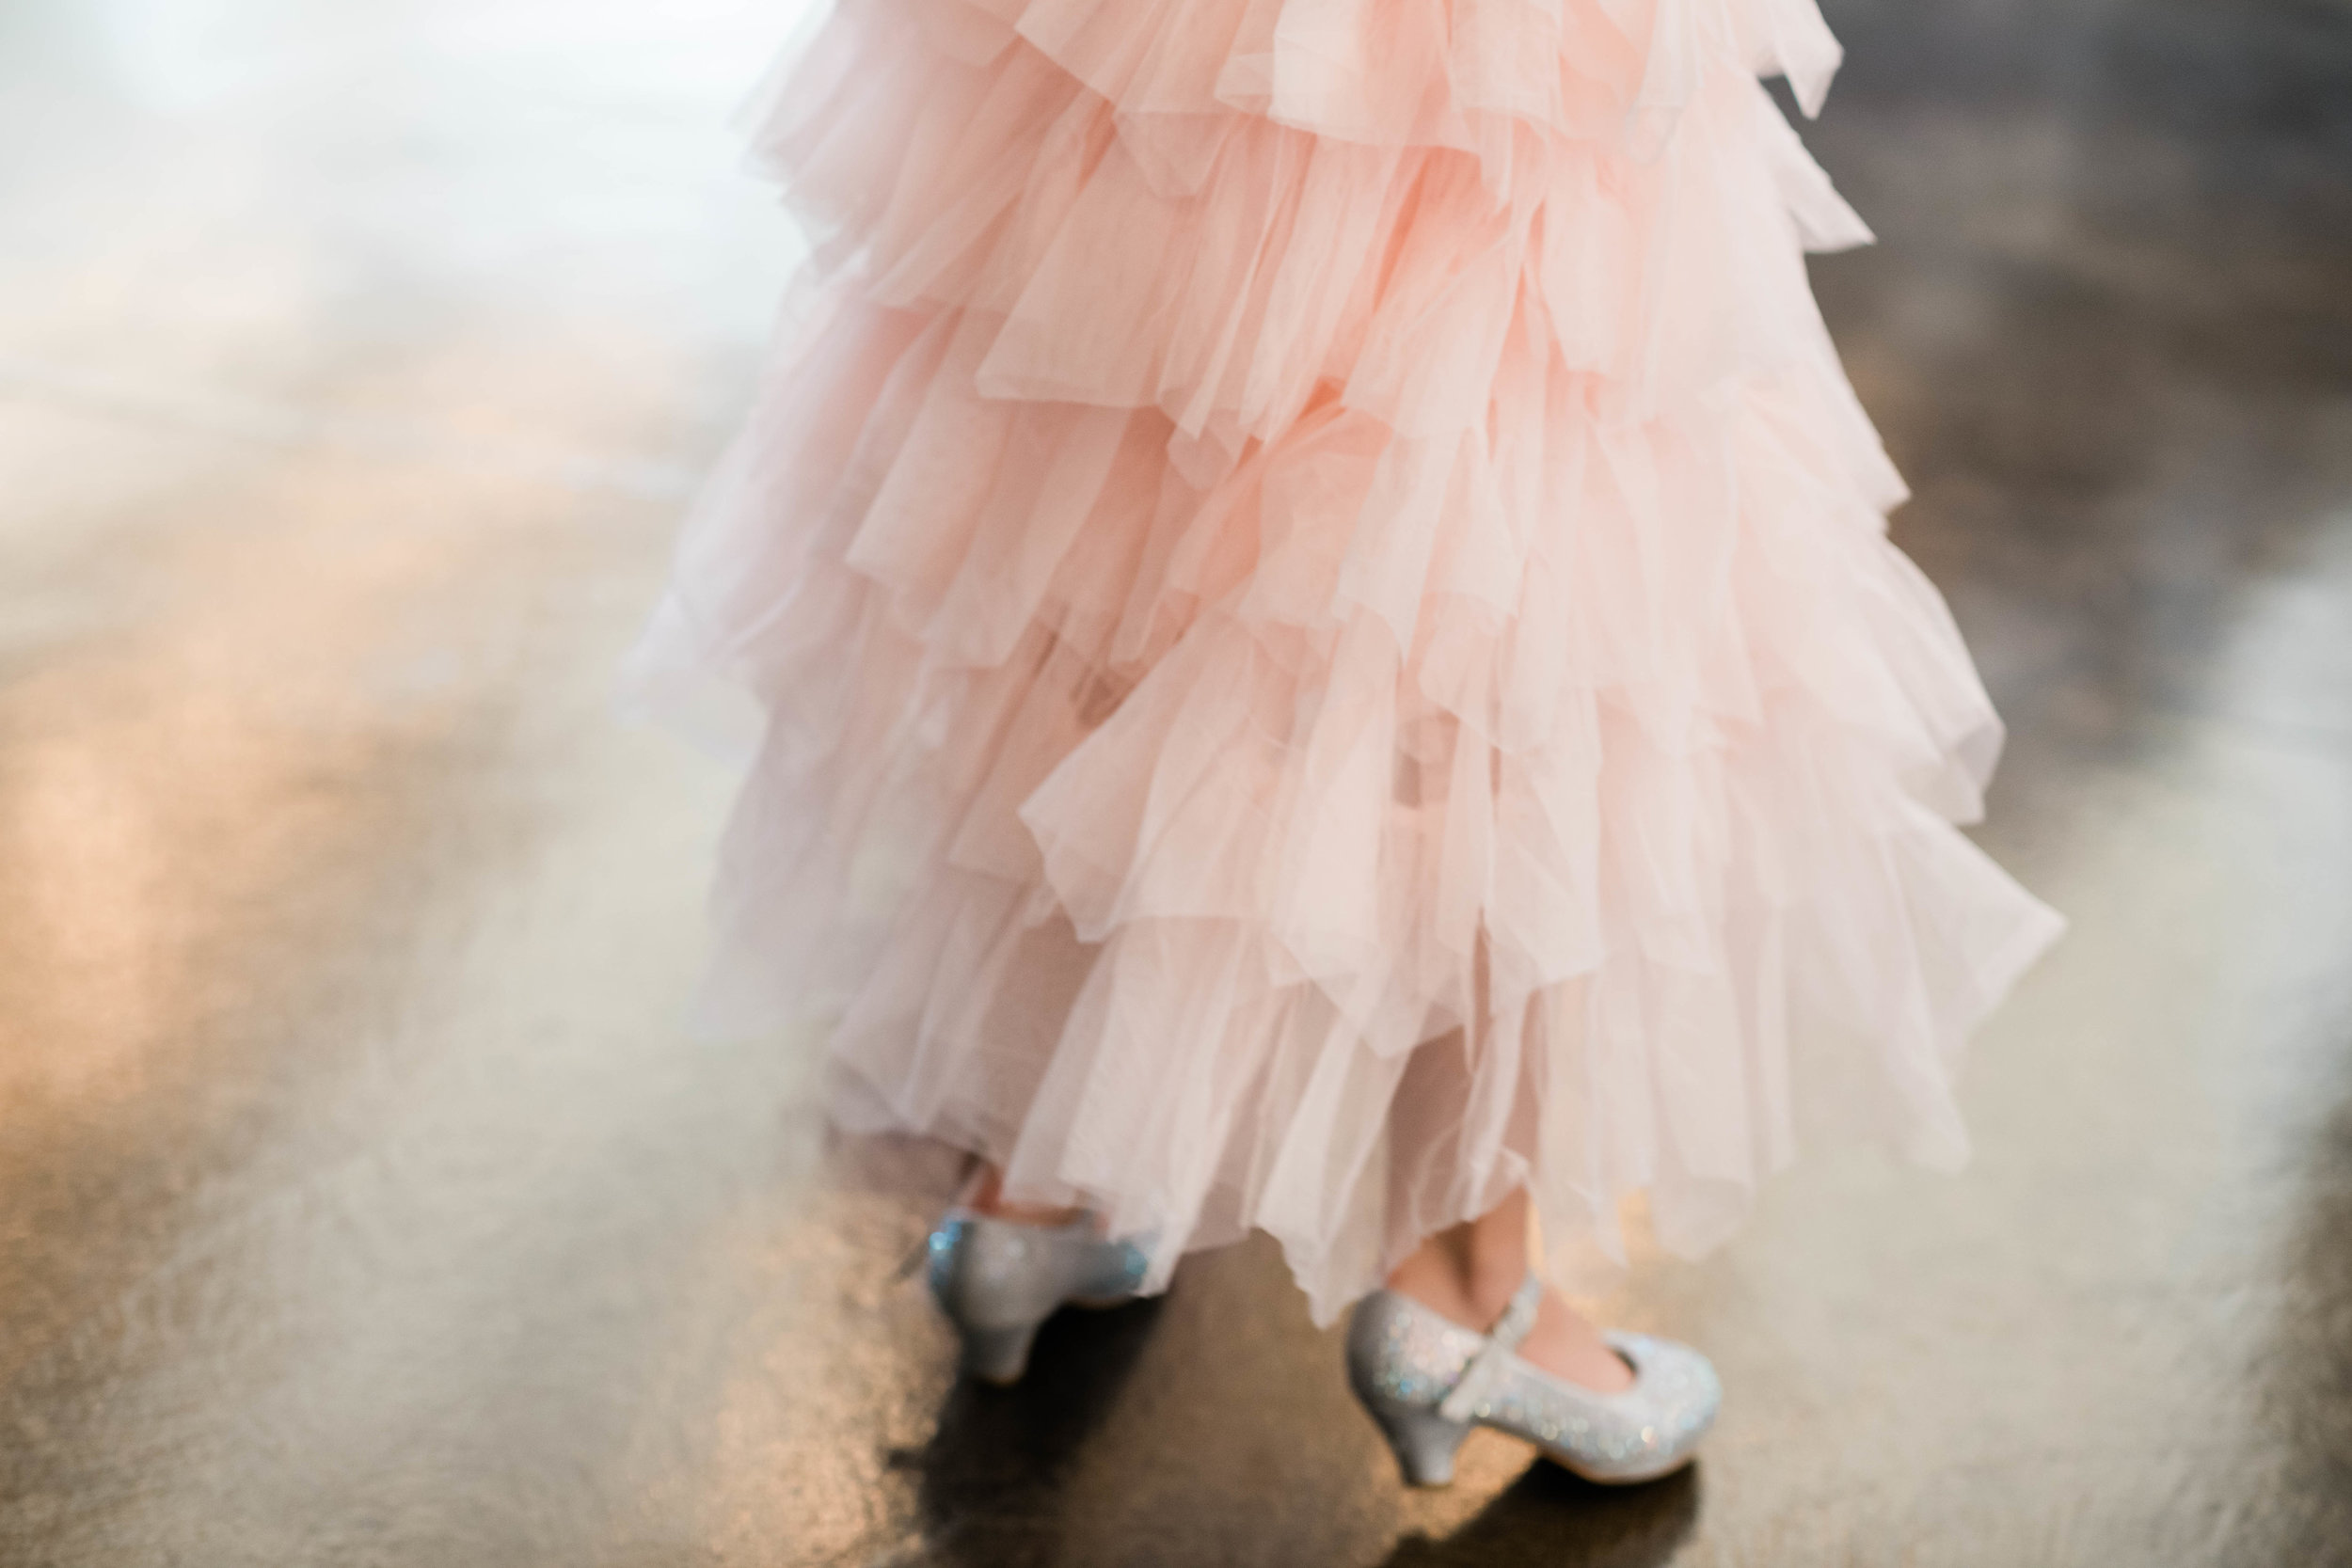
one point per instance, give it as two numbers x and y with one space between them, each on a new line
363 1201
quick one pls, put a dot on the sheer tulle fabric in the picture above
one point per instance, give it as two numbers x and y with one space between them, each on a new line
1324 640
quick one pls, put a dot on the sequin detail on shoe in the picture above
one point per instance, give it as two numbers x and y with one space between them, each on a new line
942 1248
1404 1357
1422 1356
997 1280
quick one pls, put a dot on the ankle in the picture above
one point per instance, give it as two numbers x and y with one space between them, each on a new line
988 1198
1469 1292
1490 1289
1470 1272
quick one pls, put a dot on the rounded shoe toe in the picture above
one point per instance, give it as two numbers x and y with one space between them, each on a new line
1677 1394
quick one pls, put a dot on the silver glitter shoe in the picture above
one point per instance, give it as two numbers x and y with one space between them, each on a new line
998 1279
1427 1381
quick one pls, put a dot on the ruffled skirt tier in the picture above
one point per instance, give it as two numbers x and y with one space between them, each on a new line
1324 638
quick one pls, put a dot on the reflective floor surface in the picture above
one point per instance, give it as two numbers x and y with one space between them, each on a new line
362 1201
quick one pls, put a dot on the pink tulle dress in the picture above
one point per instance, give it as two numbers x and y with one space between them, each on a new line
1320 614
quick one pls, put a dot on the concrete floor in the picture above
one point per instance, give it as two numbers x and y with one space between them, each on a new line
361 1202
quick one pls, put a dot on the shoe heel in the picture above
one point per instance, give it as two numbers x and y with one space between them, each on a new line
1422 1440
997 1356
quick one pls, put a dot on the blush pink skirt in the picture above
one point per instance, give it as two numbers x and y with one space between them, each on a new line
1318 605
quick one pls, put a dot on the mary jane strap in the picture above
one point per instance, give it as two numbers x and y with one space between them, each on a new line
1485 1368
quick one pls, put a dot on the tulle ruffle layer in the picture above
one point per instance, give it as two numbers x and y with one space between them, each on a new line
1491 78
1137 849
1316 671
1006 187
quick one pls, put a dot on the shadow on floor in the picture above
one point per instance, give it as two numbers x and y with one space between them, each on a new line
991 1483
989 1487
1550 1517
